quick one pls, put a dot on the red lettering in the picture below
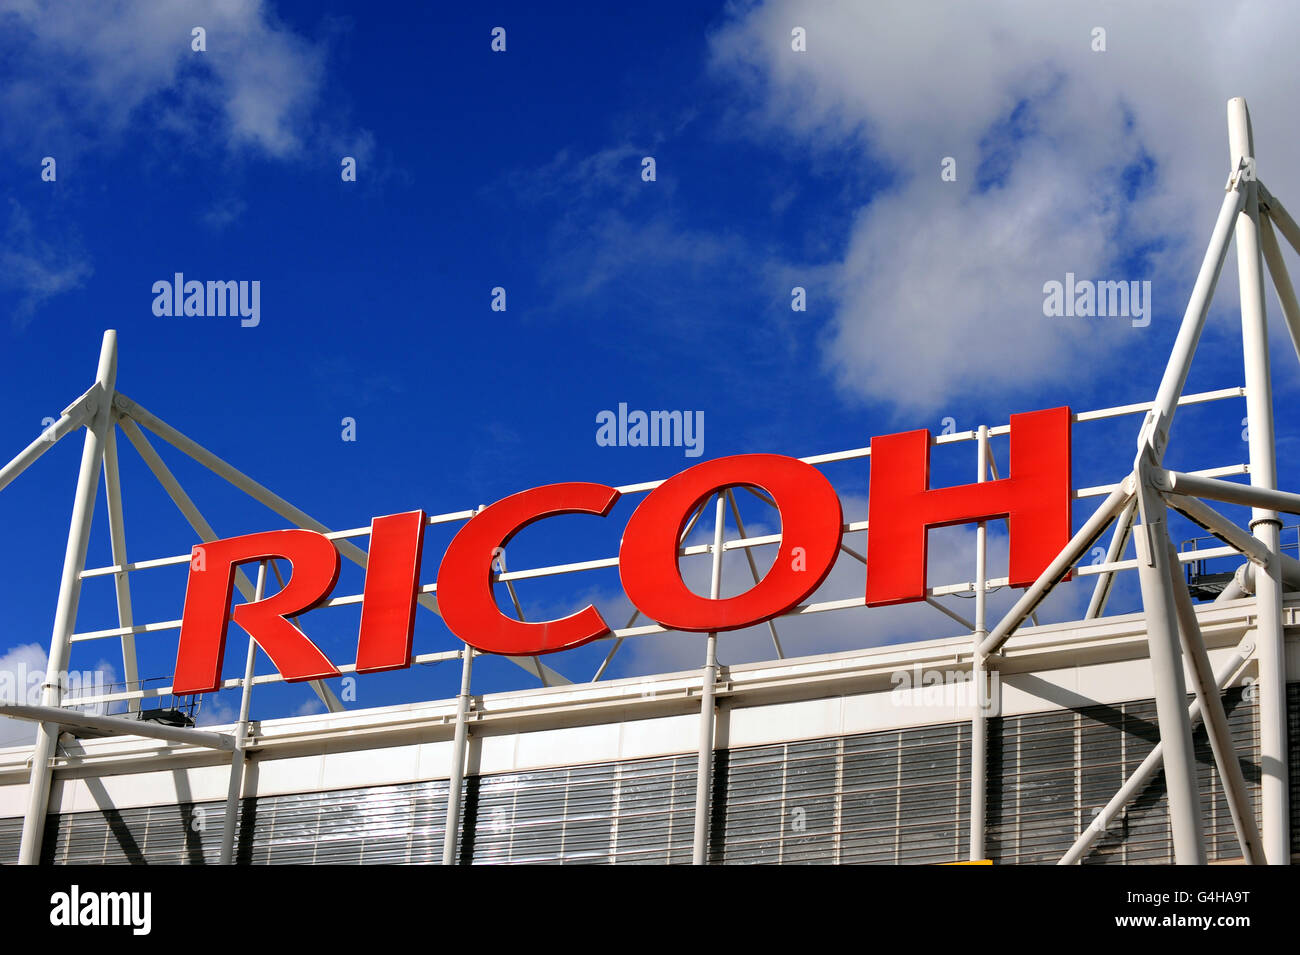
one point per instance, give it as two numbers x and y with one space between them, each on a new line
465 598
392 587
1035 498
315 568
811 527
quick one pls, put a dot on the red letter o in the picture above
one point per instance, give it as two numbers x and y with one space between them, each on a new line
811 519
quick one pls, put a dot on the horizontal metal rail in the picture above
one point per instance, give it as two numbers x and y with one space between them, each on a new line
117 725
645 486
423 659
942 590
694 550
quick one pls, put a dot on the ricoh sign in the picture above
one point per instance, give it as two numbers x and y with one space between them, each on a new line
1034 497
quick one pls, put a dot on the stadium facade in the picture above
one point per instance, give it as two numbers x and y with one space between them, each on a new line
819 759
1167 735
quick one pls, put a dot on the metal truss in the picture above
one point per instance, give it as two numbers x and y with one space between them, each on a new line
102 410
1137 506
1173 635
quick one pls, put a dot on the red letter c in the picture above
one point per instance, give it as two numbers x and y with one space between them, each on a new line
465 597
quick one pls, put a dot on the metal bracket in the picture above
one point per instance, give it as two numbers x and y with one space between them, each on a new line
1244 164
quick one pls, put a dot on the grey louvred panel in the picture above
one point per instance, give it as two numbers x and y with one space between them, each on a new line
884 797
890 796
168 835
1293 752
11 836
610 812
394 824
1049 774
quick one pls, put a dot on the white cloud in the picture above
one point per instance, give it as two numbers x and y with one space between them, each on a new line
223 213
310 707
123 73
22 673
215 711
113 61
36 269
939 292
22 669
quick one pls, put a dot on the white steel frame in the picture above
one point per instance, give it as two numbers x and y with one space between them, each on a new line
1174 636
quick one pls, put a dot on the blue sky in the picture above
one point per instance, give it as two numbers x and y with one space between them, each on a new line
522 169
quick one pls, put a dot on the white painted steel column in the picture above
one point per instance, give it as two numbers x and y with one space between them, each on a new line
1101 592
458 750
1216 720
65 614
1167 673
1083 539
71 419
1142 775
704 765
1281 281
279 505
236 789
1198 308
121 580
1270 650
979 727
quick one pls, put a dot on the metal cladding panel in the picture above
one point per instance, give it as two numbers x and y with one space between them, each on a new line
1293 753
656 817
394 824
610 812
776 803
11 836
159 835
1049 774
905 795
898 795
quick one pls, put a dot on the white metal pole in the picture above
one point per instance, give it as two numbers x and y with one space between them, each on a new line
1216 720
753 569
121 580
1198 307
1083 539
979 672
458 752
71 419
116 725
1281 281
1201 514
1279 216
704 765
1229 492
279 505
237 758
201 527
1270 648
1142 775
65 614
1154 575
1105 582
